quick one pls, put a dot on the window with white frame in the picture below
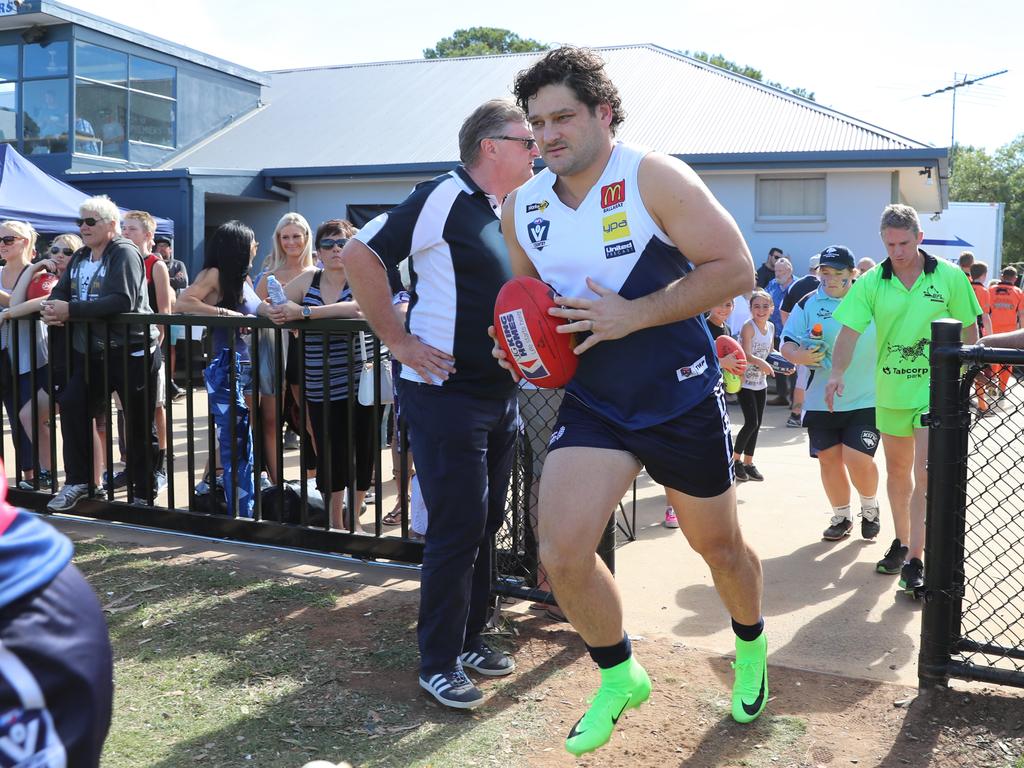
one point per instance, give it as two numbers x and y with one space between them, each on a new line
791 198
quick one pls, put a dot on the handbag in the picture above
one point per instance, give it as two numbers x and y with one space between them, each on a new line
369 375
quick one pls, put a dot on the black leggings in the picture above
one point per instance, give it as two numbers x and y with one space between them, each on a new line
332 475
752 403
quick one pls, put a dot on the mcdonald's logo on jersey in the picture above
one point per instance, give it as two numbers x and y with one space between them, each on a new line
613 195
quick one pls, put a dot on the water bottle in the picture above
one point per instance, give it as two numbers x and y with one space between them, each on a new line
816 341
275 291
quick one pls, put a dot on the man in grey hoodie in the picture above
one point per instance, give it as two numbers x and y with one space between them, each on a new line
105 278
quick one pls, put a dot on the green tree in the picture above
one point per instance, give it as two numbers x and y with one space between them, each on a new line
997 178
718 60
481 41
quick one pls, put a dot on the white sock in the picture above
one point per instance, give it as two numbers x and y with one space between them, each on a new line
869 503
843 511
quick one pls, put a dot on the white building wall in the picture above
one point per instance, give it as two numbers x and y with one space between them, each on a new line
853 201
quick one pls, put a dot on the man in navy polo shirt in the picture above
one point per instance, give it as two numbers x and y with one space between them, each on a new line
459 404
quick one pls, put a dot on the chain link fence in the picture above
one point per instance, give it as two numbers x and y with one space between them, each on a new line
973 622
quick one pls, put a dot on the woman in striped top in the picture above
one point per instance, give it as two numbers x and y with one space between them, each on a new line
321 294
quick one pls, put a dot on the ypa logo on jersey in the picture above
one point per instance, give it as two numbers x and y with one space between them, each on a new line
615 227
520 343
613 195
533 207
538 232
695 368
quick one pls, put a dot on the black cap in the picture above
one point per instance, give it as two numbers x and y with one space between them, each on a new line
162 239
837 257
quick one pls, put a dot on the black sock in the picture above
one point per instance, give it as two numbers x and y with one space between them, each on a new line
610 656
748 632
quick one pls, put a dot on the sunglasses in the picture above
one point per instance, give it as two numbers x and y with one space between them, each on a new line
56 250
9 239
527 142
91 221
327 243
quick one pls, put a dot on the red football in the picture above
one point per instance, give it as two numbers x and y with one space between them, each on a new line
41 285
526 332
727 345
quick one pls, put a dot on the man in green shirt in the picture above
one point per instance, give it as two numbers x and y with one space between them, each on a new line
903 295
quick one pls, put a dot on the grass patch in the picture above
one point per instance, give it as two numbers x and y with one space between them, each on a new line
215 666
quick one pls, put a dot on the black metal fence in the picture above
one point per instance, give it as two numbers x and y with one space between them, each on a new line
973 619
288 513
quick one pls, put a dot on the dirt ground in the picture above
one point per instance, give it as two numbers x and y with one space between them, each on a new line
219 665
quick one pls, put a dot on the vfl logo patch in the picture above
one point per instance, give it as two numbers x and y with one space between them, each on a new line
556 435
932 294
538 232
869 439
520 343
541 206
28 738
619 249
615 227
695 368
613 195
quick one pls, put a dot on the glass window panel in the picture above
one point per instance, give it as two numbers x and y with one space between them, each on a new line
99 122
791 198
151 120
46 59
103 64
45 116
152 77
8 62
8 112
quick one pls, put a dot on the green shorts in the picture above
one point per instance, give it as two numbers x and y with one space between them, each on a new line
900 422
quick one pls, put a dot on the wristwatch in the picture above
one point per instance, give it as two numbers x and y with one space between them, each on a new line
307 312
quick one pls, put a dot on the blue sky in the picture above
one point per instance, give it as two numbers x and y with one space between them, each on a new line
870 59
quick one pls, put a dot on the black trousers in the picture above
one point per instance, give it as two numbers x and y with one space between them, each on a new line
752 402
464 447
81 402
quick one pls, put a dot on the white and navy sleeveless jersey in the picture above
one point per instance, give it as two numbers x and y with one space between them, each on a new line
650 376
450 230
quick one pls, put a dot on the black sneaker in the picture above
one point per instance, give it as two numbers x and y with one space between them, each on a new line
870 525
839 529
739 470
176 392
752 473
480 657
794 420
912 575
894 559
453 689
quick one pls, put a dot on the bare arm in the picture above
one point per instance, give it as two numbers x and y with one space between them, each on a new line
969 334
747 342
202 296
370 287
704 233
1008 340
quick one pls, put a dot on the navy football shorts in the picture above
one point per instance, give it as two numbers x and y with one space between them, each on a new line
56 674
691 453
854 429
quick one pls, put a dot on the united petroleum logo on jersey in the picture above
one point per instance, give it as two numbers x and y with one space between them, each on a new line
613 195
538 232
534 207
615 227
520 344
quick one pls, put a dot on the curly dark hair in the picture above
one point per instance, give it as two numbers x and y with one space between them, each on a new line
581 70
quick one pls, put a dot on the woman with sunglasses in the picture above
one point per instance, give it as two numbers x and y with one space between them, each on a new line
17 245
291 256
323 294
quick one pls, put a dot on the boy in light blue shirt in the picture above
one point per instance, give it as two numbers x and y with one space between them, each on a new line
844 440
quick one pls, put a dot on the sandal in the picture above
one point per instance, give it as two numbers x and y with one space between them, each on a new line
394 517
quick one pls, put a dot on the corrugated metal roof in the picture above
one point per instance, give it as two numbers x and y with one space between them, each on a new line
410 112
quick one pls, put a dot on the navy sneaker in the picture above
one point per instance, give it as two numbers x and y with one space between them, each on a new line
480 657
453 689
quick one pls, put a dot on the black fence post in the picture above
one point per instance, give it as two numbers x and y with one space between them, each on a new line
945 499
